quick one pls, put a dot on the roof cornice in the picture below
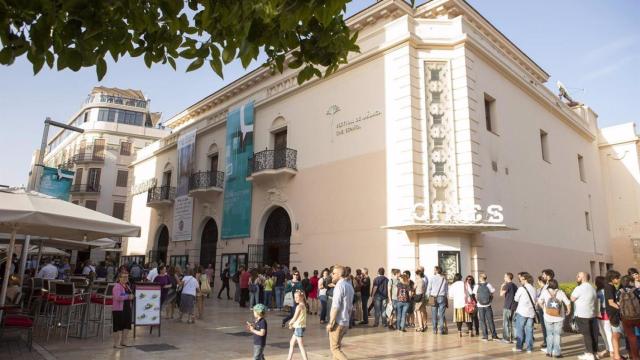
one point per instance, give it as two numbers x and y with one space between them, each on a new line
454 8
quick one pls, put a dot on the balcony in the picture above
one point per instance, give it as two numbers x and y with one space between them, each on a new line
88 157
272 164
160 196
206 183
85 189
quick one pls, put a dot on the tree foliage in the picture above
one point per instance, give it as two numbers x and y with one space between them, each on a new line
81 33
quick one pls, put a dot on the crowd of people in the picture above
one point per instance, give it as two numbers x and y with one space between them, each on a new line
608 309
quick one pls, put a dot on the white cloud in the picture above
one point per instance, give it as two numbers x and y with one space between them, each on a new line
607 69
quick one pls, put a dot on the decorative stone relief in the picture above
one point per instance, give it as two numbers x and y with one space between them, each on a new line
275 195
440 141
282 85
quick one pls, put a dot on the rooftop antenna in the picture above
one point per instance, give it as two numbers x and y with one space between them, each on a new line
563 93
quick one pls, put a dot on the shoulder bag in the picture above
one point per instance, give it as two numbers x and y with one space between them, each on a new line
470 305
433 300
535 318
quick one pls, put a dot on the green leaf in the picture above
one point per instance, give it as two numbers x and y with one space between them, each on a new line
216 65
6 56
101 68
228 54
196 64
172 62
74 59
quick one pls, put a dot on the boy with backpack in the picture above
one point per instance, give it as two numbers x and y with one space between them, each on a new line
484 296
555 305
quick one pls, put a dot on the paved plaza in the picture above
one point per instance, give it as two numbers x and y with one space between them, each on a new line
221 335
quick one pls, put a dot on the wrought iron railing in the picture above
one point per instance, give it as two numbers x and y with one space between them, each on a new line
85 188
273 159
206 179
160 193
89 156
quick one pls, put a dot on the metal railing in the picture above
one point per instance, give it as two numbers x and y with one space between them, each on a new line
85 188
160 193
89 156
206 179
273 159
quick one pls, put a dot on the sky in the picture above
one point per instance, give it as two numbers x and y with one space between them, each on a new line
592 46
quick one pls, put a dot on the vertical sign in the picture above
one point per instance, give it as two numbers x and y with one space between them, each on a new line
236 212
183 208
56 182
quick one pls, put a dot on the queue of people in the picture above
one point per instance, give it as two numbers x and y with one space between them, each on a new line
608 309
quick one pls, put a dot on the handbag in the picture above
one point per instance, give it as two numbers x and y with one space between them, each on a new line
470 305
433 300
536 319
288 299
389 310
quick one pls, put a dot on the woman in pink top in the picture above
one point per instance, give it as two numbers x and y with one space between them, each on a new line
121 310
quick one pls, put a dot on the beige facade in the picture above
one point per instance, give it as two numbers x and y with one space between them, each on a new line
620 158
407 156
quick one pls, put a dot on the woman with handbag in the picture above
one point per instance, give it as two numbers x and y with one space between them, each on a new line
470 283
418 300
463 305
292 285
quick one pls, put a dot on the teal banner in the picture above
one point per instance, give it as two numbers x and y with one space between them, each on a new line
56 182
236 211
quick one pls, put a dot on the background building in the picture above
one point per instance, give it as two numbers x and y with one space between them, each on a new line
437 144
620 158
117 123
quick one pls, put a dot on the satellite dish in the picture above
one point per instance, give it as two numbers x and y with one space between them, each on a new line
564 93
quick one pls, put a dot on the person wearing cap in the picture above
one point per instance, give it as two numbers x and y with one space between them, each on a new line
259 330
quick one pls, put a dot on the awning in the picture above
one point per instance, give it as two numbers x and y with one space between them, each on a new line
469 228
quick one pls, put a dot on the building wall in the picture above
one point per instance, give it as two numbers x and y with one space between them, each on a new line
620 159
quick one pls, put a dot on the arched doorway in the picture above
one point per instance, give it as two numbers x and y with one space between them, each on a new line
208 243
277 236
162 246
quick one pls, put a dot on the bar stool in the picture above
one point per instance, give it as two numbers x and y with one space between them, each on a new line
101 300
36 290
68 302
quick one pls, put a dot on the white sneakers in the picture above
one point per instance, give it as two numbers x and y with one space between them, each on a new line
586 356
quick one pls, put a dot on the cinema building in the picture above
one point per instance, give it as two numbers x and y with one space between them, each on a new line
438 143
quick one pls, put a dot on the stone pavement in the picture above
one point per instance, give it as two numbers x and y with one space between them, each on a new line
221 335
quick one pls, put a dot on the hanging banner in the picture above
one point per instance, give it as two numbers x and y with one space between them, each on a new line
56 182
183 205
236 212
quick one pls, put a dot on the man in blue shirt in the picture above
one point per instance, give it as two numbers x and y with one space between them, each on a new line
341 308
280 276
438 289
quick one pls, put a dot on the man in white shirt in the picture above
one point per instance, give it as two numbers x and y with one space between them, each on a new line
88 268
153 272
340 311
49 271
525 313
584 298
484 295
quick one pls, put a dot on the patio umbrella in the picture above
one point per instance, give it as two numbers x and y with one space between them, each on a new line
32 213
34 250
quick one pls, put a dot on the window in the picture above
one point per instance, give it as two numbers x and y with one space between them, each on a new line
118 210
489 113
213 161
494 166
77 202
581 168
91 204
125 148
78 179
122 178
544 145
587 220
93 179
166 178
280 140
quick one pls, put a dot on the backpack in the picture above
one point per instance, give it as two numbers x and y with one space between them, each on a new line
382 287
254 288
629 305
403 293
553 307
483 294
